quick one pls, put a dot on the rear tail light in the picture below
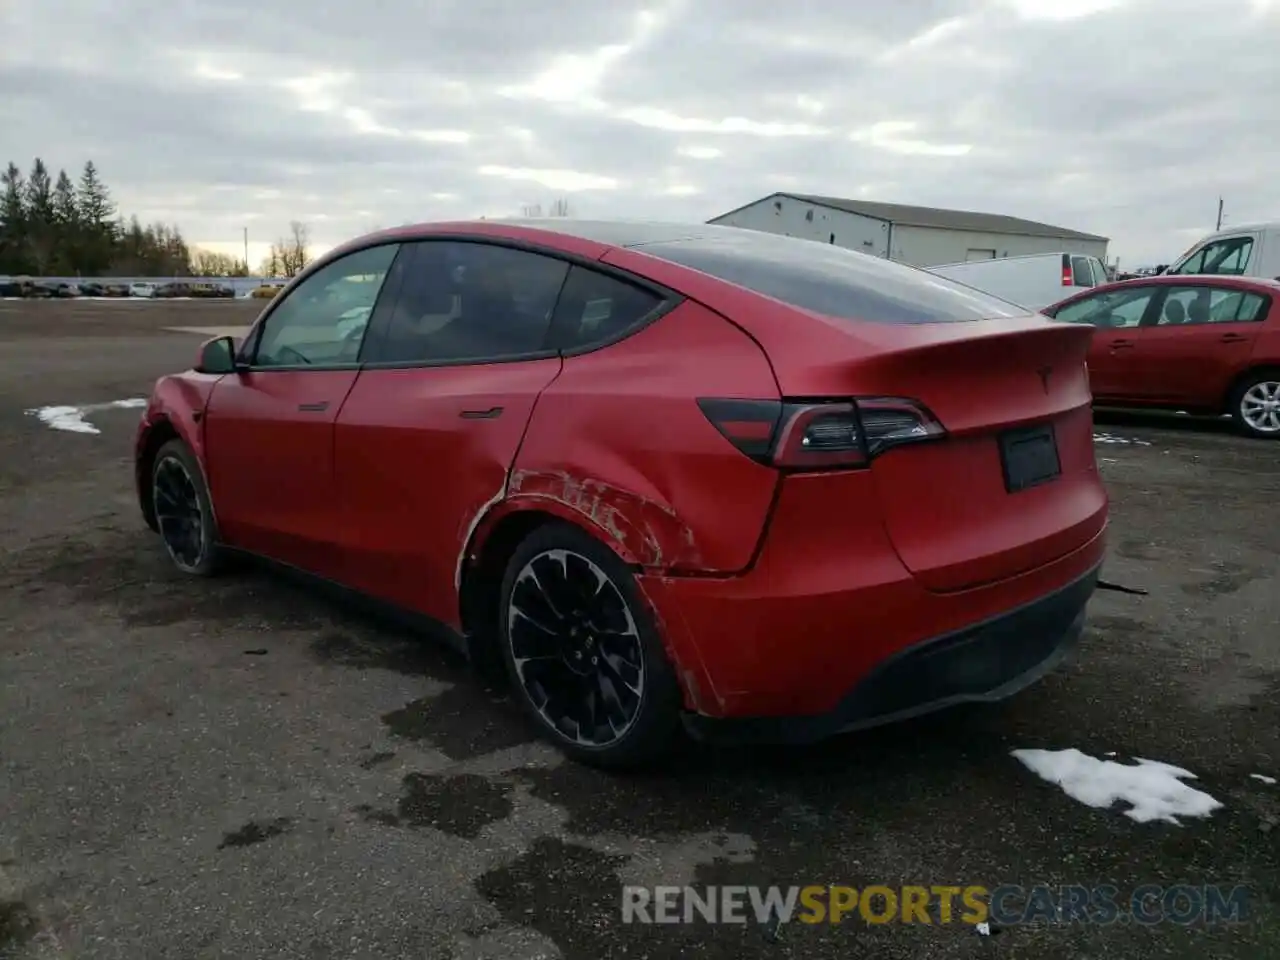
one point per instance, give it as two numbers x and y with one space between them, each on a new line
804 435
1068 278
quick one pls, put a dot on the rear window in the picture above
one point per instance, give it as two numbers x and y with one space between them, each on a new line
831 280
1081 272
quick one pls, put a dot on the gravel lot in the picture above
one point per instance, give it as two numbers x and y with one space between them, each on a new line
246 769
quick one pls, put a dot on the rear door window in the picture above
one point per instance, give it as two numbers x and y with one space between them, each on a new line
830 280
471 302
1201 304
1081 272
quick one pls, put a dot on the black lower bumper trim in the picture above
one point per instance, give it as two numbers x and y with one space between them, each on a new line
986 662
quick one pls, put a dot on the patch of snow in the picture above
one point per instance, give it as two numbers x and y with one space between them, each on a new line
984 929
1263 777
1153 790
1112 438
72 419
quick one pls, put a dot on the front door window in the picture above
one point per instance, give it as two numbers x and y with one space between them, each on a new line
321 322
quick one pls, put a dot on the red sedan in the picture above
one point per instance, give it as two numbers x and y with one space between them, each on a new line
1204 344
753 486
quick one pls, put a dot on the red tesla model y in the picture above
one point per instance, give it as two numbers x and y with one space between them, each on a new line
673 476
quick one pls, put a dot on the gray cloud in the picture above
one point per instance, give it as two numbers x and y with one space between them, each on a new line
1127 121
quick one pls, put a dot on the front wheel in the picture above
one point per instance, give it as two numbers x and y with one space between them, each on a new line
583 653
1255 406
184 511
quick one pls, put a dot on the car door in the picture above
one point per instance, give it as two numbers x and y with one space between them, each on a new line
1196 344
427 436
269 429
1116 314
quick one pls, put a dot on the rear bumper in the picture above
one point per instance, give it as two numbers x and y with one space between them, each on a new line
985 662
829 623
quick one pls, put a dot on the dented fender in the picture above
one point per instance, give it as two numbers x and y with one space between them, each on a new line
642 531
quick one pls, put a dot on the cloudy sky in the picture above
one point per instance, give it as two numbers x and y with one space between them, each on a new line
1121 117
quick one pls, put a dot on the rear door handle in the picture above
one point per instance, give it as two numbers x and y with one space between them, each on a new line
1118 344
1233 338
318 407
491 414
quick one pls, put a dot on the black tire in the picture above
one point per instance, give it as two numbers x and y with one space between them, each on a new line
1268 380
174 462
652 730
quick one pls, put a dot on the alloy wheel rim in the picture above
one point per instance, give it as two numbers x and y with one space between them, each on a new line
1260 406
576 648
177 508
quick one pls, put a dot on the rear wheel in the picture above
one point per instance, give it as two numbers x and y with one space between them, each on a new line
1255 405
184 511
583 653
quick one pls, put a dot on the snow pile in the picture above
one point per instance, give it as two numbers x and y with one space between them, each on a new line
1153 790
72 419
1112 438
1263 778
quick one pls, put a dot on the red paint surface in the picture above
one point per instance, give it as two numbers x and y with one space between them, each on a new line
774 593
1192 366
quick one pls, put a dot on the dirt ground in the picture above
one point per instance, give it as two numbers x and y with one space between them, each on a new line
245 769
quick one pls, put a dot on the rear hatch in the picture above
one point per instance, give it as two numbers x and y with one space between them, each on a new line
1013 484
1004 480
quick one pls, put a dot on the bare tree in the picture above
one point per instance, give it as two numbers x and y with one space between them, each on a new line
207 263
558 208
293 249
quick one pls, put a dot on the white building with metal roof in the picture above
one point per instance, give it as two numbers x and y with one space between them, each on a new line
920 236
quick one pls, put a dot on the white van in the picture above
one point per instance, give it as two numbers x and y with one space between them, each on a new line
1251 250
1033 281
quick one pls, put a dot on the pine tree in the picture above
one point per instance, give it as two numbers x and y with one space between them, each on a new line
41 231
98 231
13 223
66 220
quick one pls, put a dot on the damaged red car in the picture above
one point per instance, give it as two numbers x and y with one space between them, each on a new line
672 477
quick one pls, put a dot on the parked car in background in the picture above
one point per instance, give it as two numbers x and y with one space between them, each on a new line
266 291
142 289
1204 344
1243 251
668 475
92 288
173 290
1032 281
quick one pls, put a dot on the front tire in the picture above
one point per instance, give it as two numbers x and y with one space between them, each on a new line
1255 406
585 658
184 510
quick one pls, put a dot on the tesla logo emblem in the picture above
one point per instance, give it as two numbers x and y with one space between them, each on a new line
1045 373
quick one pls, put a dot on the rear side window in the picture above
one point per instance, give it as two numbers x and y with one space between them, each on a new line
595 308
831 280
1081 272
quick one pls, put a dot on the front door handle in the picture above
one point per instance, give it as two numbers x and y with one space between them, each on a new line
491 414
1121 344
319 406
1233 338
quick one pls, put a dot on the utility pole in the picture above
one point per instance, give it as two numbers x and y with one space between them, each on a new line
1219 226
246 251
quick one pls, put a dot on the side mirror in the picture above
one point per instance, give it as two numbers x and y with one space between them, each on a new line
217 356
